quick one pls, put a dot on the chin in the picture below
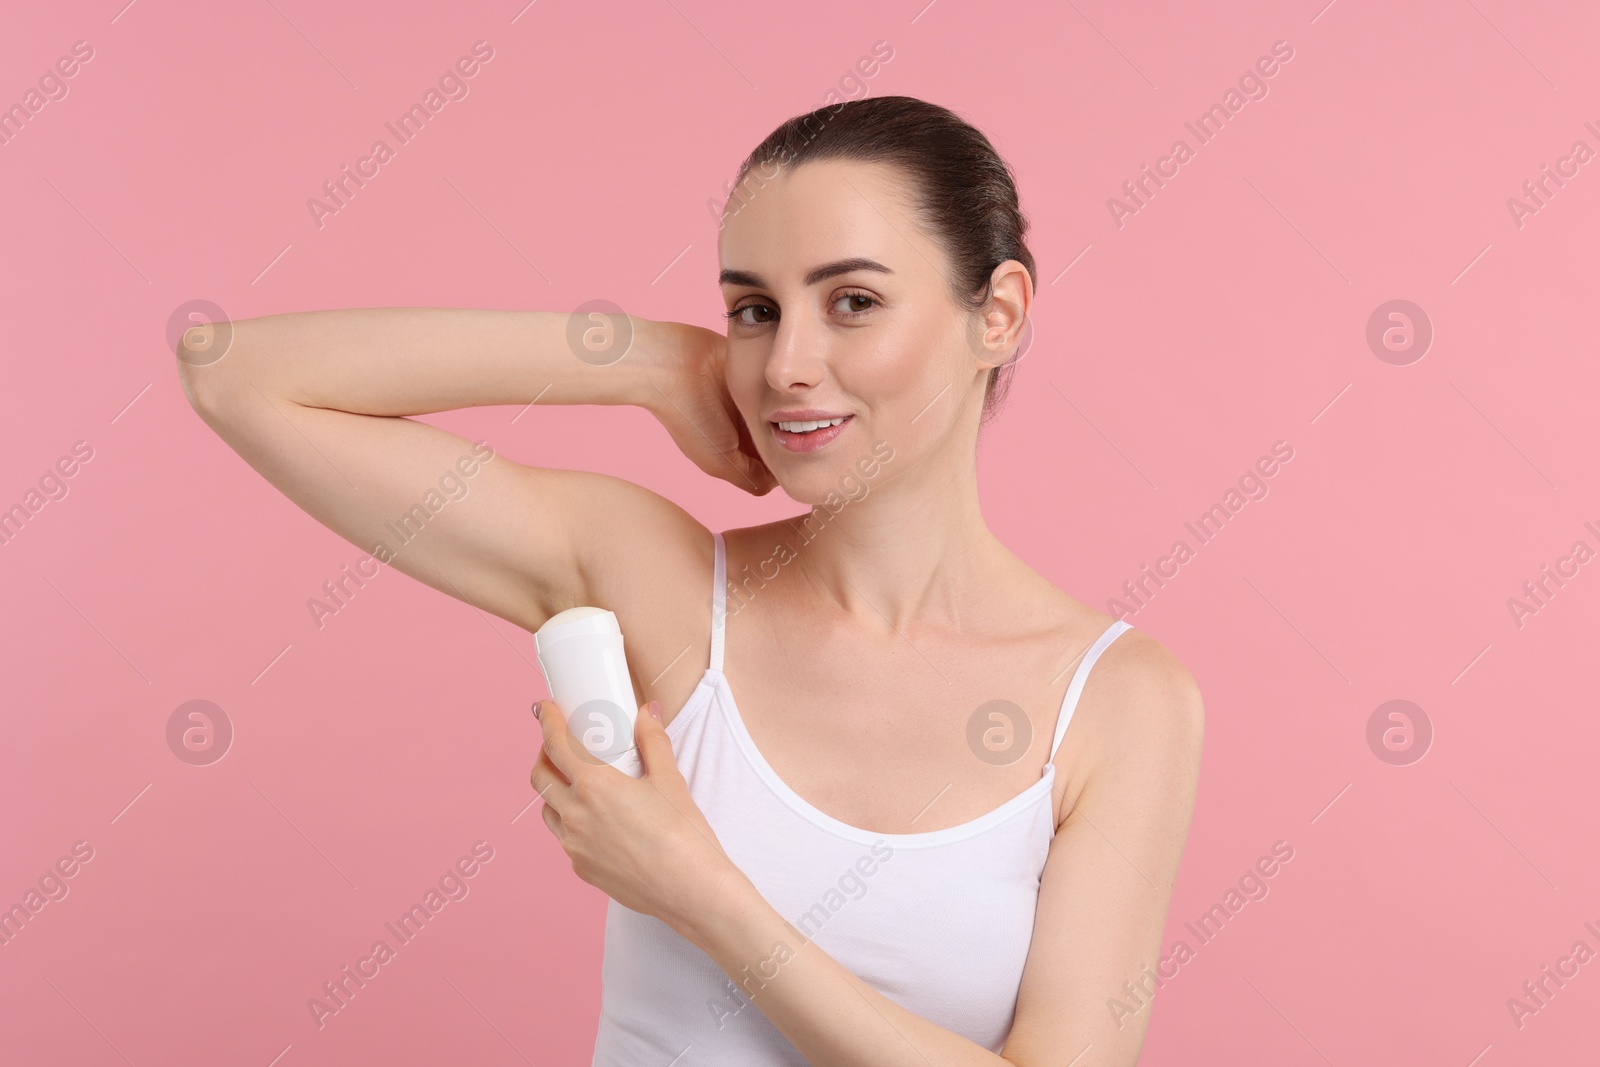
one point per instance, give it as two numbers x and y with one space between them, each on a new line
836 470
803 487
833 486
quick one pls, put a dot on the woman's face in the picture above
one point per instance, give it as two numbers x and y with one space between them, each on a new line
841 308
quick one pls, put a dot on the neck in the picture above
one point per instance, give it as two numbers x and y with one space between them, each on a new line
905 554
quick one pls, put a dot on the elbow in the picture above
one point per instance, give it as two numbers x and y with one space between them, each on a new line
190 383
201 390
201 364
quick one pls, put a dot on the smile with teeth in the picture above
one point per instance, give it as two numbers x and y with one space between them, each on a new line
807 427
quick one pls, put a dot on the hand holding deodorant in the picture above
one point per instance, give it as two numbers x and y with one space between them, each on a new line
580 652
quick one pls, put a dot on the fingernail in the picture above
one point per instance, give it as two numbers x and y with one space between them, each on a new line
654 708
536 704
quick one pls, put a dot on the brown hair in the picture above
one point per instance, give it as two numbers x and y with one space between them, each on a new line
963 193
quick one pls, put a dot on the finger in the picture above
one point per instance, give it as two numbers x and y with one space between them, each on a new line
748 473
729 464
747 456
557 738
655 747
753 474
548 782
552 819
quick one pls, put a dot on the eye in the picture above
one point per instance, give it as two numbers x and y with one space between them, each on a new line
736 315
856 304
870 302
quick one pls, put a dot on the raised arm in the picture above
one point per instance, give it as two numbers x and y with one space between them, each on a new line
317 402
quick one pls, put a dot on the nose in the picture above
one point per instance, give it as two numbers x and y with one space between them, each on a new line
797 359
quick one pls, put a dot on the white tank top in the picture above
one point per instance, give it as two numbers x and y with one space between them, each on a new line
939 921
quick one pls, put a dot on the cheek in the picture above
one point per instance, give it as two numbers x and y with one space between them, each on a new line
924 376
896 371
743 376
927 386
743 368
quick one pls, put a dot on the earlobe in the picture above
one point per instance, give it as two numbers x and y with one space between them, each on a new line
991 352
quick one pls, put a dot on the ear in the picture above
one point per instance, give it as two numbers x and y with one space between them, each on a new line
998 331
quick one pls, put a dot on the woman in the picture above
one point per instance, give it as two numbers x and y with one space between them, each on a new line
892 849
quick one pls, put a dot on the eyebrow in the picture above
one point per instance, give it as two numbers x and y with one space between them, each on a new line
813 276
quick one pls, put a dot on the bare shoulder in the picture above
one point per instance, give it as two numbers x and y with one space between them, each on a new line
1155 692
1115 857
1142 725
1136 688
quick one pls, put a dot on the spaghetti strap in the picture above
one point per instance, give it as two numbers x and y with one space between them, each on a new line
719 600
1069 703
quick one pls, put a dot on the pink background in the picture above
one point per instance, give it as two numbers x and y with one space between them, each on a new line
1229 313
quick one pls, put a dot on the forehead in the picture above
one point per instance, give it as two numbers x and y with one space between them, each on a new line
820 212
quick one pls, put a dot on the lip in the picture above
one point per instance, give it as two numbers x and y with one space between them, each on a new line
804 415
808 442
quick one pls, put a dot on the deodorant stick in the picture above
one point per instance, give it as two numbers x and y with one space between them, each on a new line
580 652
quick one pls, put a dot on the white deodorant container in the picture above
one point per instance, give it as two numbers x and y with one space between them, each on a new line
580 652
